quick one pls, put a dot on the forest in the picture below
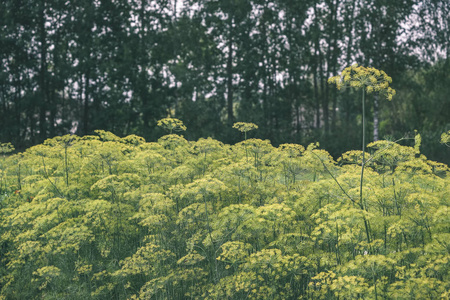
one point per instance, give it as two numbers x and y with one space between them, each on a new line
83 65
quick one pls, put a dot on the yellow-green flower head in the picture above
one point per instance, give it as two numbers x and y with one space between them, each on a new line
355 83
171 124
370 79
244 126
445 138
6 148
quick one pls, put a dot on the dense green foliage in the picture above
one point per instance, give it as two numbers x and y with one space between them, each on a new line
121 65
103 217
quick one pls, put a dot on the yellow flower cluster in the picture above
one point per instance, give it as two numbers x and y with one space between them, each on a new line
234 252
445 138
6 148
370 79
171 124
244 126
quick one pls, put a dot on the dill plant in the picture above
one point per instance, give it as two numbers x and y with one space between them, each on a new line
445 138
368 80
177 219
245 127
5 148
172 124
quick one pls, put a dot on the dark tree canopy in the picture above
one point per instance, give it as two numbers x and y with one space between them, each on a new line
117 65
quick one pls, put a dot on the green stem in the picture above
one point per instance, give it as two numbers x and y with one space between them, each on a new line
361 203
332 176
363 149
18 178
51 182
66 165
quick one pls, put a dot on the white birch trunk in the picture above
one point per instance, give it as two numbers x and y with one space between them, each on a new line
375 117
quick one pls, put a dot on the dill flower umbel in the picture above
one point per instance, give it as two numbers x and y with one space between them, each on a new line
171 124
370 79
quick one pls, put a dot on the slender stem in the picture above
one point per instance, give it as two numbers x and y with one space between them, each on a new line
18 177
210 236
332 176
51 182
361 203
66 164
363 149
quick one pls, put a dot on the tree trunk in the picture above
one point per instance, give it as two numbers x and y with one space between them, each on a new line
316 97
350 33
375 117
43 73
86 105
230 71
334 57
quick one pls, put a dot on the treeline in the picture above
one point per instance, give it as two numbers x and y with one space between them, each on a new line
77 66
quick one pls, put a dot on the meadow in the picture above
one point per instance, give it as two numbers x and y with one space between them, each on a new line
104 217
